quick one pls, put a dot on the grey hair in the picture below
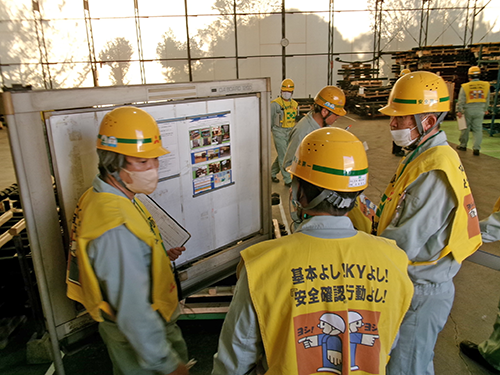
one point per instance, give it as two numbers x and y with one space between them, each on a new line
437 114
110 162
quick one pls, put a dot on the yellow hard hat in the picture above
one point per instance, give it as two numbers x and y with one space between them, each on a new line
333 159
287 85
130 131
404 71
418 92
331 98
474 70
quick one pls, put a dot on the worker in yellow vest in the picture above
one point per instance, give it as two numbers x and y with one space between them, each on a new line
118 267
428 209
296 296
283 113
473 102
487 353
328 107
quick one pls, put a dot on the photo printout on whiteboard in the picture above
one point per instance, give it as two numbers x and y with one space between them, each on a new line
169 164
172 233
210 145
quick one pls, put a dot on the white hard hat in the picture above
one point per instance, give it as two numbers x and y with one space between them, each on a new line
334 320
354 316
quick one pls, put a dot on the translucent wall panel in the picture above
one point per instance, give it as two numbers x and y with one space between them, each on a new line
263 67
214 70
111 8
296 69
248 35
489 30
309 6
115 40
58 9
12 10
66 40
18 42
316 75
153 8
123 73
400 30
270 34
71 75
213 7
155 72
163 37
211 36
171 71
25 74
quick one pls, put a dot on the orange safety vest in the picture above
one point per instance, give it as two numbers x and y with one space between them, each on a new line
95 214
465 237
328 304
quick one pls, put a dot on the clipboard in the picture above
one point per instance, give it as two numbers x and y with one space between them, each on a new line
462 125
172 233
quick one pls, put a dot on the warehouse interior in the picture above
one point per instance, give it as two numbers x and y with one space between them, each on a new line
360 46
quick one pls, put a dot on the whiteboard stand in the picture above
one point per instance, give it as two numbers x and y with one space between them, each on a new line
35 166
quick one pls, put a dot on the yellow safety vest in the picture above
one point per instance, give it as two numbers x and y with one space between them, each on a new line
95 214
290 111
496 207
476 91
362 215
299 282
465 237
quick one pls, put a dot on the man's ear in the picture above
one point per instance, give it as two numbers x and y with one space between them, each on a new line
430 121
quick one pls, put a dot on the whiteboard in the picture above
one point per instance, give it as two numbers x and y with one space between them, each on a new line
217 218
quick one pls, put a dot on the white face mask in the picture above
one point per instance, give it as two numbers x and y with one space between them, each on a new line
402 137
142 182
286 95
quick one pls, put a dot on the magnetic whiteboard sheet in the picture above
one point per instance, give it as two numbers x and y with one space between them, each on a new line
215 219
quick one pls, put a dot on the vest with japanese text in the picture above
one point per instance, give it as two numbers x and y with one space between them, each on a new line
95 214
465 237
290 111
328 305
476 91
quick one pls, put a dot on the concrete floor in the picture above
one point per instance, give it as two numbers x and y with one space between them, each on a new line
477 287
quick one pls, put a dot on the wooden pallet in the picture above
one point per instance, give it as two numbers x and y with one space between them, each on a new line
200 303
367 83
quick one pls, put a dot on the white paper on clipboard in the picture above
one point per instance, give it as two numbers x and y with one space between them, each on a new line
461 123
172 233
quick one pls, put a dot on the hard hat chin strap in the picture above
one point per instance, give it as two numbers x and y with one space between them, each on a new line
116 176
420 127
331 197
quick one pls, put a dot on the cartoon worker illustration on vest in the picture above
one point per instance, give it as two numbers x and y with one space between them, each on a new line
332 325
356 338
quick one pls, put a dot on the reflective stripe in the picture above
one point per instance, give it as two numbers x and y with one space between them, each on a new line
129 140
339 172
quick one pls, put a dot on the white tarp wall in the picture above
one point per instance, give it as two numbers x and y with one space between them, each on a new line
62 44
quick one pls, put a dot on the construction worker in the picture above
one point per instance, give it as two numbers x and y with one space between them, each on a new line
398 150
314 278
428 209
328 106
283 113
473 102
118 267
487 353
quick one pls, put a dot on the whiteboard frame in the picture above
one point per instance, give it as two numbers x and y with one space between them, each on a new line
33 171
